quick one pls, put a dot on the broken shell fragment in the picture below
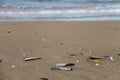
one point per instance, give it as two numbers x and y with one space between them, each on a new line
31 58
73 55
94 60
111 58
61 68
97 57
65 64
76 54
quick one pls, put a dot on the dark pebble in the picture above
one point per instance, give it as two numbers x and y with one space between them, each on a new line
118 54
61 43
43 78
9 31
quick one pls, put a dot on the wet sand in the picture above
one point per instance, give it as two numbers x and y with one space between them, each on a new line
54 42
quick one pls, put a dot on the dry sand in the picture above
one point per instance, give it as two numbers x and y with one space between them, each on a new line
54 42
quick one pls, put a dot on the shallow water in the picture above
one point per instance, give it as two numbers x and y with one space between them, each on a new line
65 10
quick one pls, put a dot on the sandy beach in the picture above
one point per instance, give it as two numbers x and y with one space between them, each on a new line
54 42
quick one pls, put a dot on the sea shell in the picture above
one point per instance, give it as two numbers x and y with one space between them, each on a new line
61 68
65 64
31 58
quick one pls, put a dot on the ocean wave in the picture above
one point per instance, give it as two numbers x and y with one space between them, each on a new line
41 9
43 12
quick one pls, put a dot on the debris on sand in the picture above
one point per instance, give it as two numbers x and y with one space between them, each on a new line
9 31
77 61
111 58
75 54
96 59
65 64
61 43
13 66
43 78
96 64
0 60
119 54
99 58
61 68
31 58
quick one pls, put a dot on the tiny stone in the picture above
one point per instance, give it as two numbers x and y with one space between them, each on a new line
77 61
61 43
96 64
9 31
0 60
13 66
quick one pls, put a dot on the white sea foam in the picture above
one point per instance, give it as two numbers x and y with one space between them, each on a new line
59 13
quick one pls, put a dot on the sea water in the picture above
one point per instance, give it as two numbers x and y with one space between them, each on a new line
59 10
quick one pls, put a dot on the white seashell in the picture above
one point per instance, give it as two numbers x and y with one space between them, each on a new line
61 68
61 64
13 66
111 58
77 61
96 64
65 64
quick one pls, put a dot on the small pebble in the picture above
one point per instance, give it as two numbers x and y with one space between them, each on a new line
13 66
96 64
80 48
9 31
77 61
61 43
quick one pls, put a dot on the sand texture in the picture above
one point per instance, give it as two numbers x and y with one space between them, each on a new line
59 42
